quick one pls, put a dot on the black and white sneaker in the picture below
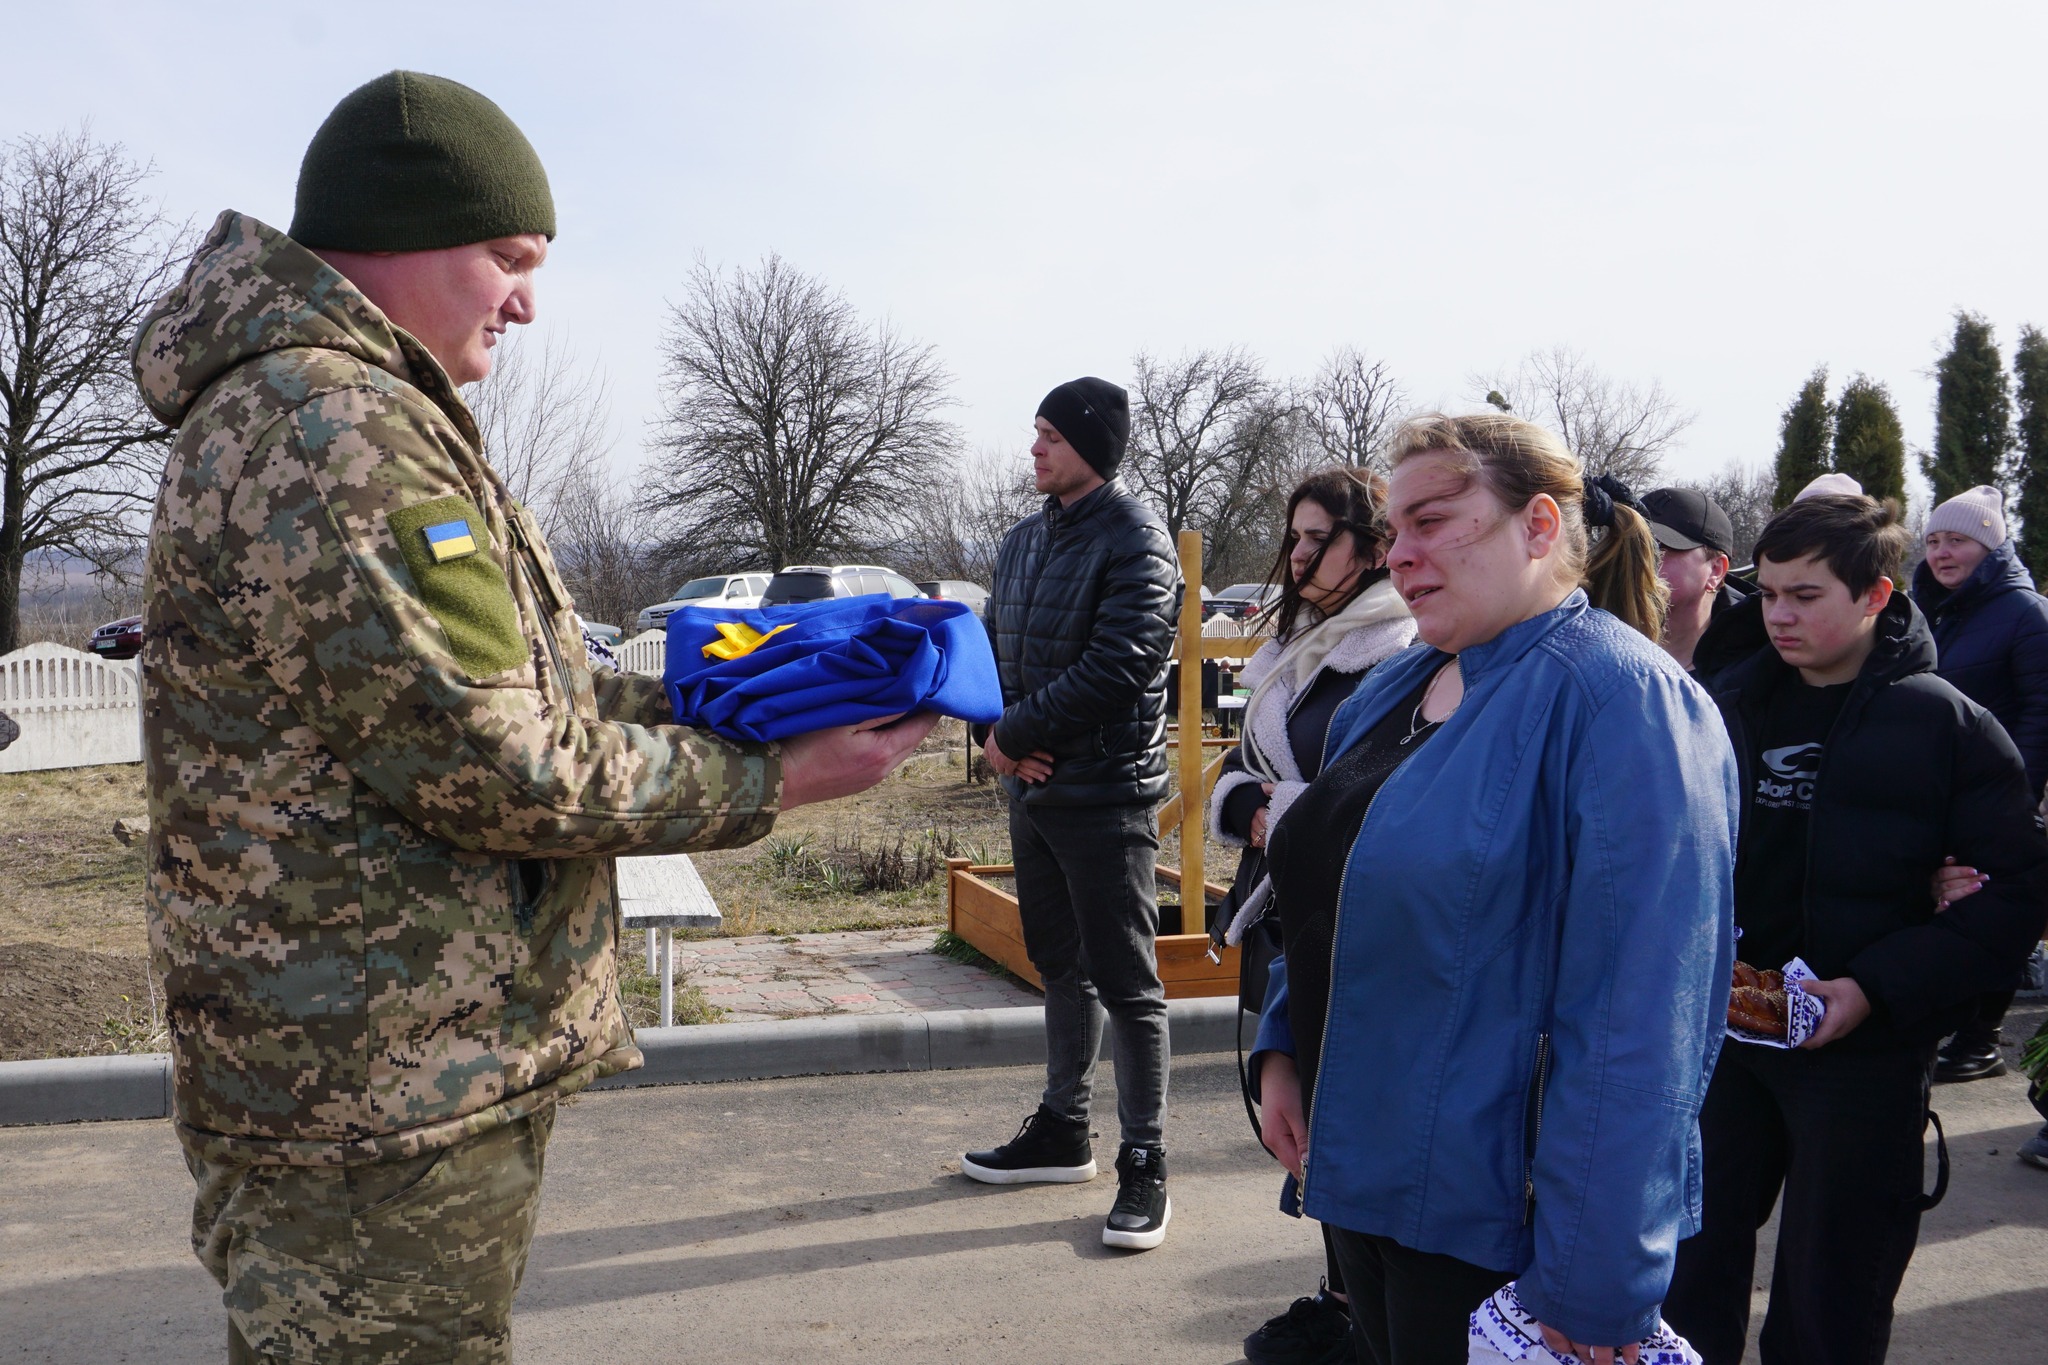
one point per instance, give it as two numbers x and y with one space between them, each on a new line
1047 1149
1138 1218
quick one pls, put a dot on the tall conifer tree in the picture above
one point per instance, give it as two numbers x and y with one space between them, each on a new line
2030 366
1870 445
1972 413
1804 435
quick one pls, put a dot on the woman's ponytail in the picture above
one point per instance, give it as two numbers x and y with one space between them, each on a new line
1621 572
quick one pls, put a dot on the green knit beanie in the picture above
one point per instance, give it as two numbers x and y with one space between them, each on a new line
412 162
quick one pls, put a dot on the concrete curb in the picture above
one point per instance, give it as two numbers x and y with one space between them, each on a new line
85 1089
91 1089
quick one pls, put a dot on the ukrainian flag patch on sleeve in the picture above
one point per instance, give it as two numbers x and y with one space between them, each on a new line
443 543
448 540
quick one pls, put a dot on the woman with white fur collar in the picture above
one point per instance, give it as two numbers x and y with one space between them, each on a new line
1336 617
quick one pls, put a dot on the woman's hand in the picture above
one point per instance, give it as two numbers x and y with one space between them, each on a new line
1952 883
1592 1355
1285 1131
1847 1006
1259 817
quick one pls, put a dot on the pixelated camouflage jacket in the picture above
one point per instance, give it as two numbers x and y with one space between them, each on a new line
385 787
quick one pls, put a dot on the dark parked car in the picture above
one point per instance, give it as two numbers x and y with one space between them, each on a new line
815 582
956 590
120 639
1240 601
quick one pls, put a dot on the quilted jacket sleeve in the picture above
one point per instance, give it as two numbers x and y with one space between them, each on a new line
1978 944
2029 682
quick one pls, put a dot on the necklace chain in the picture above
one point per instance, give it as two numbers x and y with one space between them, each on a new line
1416 724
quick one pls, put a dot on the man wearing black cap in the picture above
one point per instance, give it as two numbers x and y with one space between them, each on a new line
1697 539
1082 619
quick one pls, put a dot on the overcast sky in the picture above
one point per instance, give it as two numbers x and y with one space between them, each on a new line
1717 197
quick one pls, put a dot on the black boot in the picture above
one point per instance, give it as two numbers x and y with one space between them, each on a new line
1047 1148
1969 1056
1137 1221
1313 1331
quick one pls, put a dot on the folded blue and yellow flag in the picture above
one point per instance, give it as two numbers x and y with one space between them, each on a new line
780 671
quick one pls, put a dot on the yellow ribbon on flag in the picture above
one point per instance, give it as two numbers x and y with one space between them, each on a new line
740 639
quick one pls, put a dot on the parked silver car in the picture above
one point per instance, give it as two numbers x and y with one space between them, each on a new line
736 590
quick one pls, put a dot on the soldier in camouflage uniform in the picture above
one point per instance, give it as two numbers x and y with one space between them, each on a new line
385 785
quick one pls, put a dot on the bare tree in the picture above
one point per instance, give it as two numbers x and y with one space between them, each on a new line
545 421
793 431
1613 426
1352 407
1744 492
82 257
604 543
1214 445
958 524
547 430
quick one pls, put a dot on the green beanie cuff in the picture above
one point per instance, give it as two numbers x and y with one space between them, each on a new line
411 162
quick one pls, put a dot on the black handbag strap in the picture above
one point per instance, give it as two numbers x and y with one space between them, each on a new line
1244 1083
1928 1201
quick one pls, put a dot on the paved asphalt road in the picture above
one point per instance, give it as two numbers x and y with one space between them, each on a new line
801 1220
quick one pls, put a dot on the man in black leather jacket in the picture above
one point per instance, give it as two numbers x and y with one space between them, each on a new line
1082 619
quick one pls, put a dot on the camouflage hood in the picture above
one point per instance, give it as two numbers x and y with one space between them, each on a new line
251 290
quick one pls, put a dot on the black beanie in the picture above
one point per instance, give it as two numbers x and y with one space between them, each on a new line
1094 416
412 162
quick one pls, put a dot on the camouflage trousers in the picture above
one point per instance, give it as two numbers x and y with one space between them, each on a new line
395 1263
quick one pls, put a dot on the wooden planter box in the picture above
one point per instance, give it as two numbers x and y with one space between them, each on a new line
985 915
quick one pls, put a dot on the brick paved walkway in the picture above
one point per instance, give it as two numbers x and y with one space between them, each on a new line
885 971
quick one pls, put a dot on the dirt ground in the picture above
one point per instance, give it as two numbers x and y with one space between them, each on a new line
73 942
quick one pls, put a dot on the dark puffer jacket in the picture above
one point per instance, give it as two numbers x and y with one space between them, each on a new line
1082 621
1991 634
1913 770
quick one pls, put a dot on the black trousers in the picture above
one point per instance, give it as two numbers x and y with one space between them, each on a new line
1409 1307
1840 1133
1088 901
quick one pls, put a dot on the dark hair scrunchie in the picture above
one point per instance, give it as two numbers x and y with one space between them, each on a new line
1602 494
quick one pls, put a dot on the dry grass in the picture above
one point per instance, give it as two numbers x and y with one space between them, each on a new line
64 880
71 895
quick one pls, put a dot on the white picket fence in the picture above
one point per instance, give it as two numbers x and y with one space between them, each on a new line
646 652
73 709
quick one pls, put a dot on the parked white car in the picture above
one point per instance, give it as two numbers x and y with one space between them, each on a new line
738 591
815 582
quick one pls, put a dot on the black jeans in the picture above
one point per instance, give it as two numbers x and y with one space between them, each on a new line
1409 1307
1841 1134
1089 903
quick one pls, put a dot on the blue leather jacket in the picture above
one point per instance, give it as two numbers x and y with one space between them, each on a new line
1531 971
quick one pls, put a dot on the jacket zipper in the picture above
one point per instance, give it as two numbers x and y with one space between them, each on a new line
1747 777
1535 1127
1330 996
1806 882
1336 933
547 616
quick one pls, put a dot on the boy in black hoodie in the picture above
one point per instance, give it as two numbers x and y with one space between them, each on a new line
1860 771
